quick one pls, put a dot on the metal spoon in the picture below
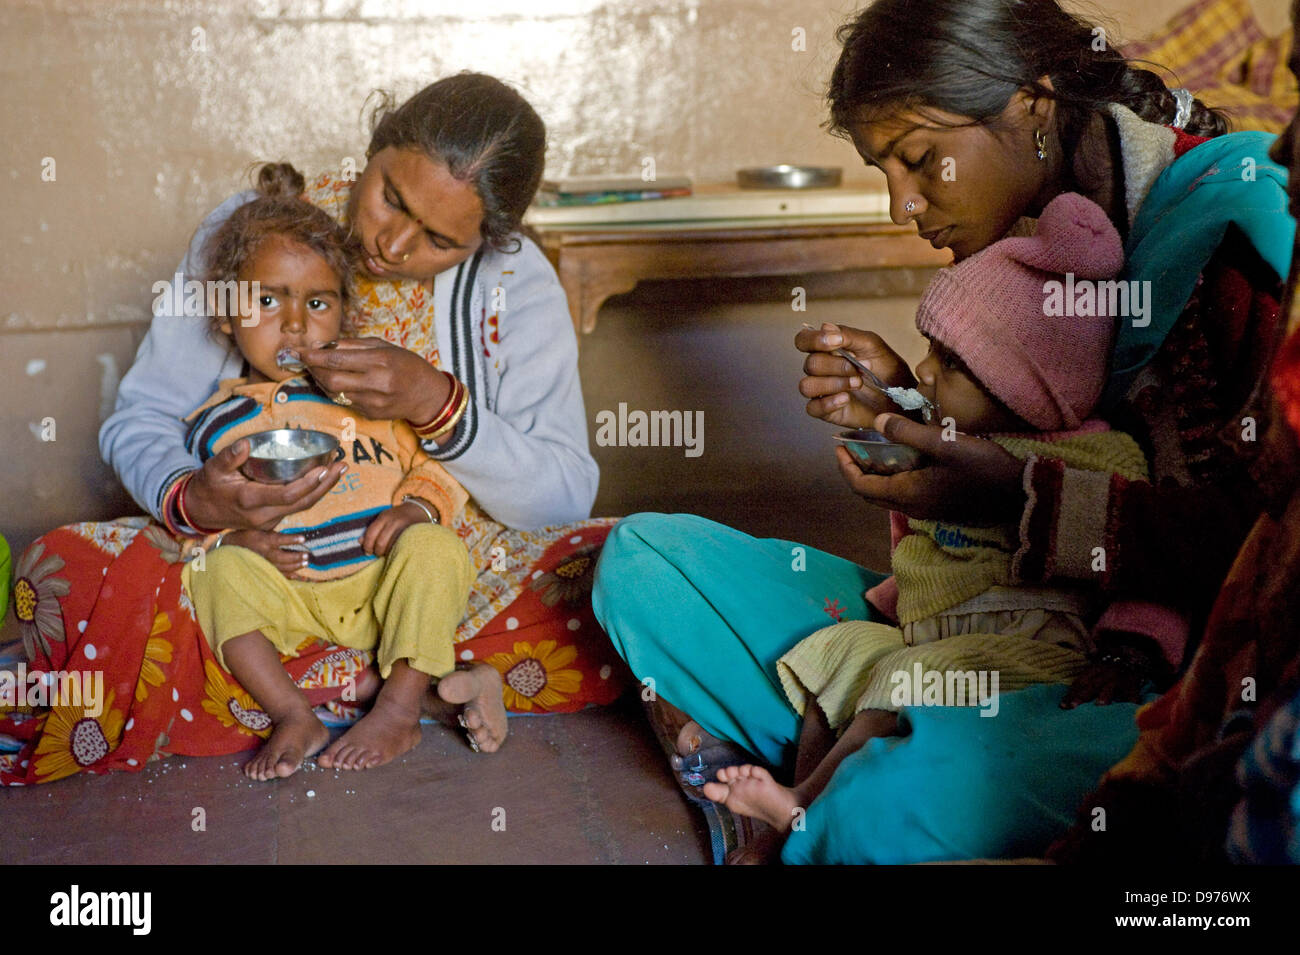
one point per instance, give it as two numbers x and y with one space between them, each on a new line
288 359
908 399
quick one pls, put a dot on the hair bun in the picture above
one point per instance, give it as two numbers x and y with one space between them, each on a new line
280 179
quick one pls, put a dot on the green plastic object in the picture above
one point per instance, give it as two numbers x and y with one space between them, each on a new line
5 570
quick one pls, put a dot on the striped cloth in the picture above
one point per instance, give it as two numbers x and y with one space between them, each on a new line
1217 49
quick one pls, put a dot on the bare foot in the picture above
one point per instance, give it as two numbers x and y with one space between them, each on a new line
383 734
294 739
482 714
751 791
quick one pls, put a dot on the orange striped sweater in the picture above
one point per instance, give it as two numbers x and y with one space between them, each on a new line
385 463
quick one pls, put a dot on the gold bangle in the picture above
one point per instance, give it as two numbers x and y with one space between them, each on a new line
448 413
447 405
455 419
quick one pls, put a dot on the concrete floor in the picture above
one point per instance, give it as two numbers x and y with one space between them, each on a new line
582 788
590 787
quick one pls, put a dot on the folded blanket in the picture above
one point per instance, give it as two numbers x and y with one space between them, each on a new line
1218 50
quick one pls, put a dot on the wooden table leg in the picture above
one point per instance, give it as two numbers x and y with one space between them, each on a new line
587 283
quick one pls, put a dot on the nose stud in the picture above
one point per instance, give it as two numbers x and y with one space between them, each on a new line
910 207
406 256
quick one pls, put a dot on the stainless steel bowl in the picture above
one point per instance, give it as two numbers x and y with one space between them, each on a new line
878 455
786 176
286 454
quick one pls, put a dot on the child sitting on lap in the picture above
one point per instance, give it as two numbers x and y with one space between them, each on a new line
375 564
1000 366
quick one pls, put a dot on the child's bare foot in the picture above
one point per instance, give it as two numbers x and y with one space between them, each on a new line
383 734
751 791
294 739
482 709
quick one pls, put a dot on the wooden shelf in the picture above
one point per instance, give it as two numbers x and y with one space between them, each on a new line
595 262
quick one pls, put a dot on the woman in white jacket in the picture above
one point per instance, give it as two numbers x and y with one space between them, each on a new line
449 289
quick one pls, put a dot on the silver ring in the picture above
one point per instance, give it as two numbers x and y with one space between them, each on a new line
910 207
342 399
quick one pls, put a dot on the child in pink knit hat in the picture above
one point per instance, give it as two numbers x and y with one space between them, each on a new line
1015 359
993 313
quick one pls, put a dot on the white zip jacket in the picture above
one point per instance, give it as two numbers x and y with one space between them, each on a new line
520 450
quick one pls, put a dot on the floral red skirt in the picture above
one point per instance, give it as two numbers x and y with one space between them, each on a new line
112 669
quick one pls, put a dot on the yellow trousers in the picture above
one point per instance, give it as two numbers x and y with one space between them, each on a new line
856 665
405 605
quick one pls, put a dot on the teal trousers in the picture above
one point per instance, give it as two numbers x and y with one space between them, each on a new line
702 612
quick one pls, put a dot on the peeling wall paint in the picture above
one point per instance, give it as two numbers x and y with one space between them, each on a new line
143 125
149 114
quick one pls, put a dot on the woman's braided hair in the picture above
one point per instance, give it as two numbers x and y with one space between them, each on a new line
969 57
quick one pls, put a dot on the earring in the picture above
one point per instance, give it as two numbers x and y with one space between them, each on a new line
1040 145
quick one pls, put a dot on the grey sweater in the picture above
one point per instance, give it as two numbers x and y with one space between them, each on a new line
521 449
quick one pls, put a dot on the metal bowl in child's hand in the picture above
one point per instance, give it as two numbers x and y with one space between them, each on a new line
876 454
286 454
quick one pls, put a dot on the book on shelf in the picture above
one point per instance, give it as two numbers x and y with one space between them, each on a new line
545 198
588 185
871 204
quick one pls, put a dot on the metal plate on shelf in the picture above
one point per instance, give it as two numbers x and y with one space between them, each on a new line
786 176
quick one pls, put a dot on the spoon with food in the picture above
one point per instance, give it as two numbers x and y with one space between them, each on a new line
908 399
289 360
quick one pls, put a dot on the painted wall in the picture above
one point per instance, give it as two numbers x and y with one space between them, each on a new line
149 114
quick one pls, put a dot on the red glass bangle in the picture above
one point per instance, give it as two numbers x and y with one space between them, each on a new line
169 501
448 406
180 507
452 420
449 414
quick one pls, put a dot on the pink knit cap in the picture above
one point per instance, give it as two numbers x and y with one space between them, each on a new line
991 311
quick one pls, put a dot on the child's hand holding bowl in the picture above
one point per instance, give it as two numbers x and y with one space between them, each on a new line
965 479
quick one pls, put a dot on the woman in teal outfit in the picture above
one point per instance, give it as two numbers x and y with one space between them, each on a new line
1015 96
